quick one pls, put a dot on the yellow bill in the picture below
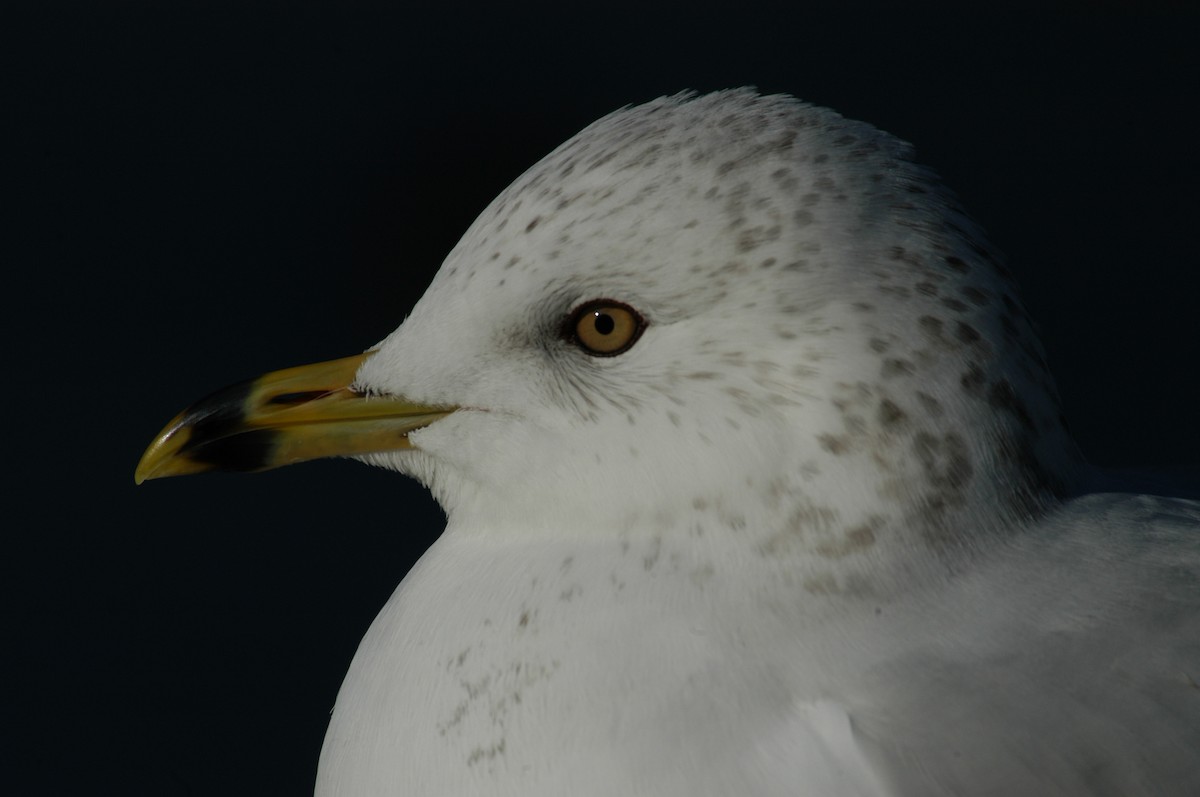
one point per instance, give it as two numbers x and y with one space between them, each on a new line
281 418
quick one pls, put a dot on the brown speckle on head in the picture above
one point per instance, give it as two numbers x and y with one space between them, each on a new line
973 380
834 444
975 296
896 366
851 540
957 264
890 415
965 332
1002 396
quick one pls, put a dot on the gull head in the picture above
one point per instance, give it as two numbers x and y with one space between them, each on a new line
789 310
721 312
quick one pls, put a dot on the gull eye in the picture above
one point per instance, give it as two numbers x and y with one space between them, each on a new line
604 327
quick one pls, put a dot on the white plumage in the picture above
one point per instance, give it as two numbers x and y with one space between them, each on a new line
819 531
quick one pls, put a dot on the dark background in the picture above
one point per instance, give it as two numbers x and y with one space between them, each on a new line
204 191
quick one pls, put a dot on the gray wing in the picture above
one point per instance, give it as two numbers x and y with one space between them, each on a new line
1069 664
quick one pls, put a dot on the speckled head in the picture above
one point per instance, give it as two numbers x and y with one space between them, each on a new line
827 334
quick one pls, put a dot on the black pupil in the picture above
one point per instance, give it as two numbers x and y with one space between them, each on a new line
605 323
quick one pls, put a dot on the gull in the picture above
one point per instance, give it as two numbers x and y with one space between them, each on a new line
757 483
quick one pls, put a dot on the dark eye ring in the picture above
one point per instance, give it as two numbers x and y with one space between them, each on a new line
604 327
